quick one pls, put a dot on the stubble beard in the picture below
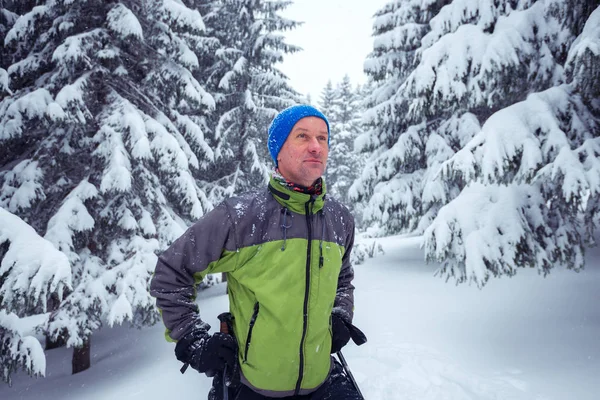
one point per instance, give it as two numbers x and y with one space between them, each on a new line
312 172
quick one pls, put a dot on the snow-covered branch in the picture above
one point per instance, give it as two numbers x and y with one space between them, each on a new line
17 350
32 267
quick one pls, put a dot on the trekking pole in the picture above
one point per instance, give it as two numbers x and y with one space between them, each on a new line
349 374
359 338
225 319
225 388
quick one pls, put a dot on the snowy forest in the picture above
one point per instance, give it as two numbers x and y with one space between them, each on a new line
122 122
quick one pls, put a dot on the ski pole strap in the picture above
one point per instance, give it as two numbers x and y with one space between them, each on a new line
184 368
356 334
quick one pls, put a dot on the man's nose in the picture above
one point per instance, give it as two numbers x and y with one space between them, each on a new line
314 146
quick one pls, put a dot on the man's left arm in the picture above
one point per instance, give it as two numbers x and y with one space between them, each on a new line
343 305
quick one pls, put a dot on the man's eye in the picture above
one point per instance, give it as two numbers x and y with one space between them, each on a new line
302 135
323 138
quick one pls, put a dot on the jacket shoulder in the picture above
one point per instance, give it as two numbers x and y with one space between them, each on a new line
254 217
338 208
247 205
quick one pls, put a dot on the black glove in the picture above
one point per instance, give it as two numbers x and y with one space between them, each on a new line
340 334
205 353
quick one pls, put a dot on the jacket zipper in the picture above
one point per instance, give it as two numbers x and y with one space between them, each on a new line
249 338
308 207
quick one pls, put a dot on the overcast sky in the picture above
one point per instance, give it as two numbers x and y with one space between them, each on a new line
336 38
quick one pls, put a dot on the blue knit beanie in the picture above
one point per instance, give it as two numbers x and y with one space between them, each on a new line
284 122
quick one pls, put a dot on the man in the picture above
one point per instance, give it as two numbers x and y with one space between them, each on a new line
286 251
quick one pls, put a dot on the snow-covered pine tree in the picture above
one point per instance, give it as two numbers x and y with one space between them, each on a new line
326 100
101 136
401 149
534 165
583 74
326 106
31 270
9 13
251 90
18 350
344 163
531 172
308 99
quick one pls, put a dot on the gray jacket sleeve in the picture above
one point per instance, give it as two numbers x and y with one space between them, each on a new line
195 253
343 305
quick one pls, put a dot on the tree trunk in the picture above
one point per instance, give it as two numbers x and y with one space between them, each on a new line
54 344
81 357
61 341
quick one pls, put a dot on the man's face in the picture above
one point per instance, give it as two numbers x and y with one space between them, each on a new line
303 156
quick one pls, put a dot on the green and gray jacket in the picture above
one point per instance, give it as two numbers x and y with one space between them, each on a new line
287 259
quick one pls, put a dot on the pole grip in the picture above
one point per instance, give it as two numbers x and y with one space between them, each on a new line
226 320
224 327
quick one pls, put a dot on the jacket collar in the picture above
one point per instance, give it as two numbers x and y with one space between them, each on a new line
296 201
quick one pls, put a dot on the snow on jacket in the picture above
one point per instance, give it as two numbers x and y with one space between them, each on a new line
287 259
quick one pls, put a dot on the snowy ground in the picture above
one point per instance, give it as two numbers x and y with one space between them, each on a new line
519 338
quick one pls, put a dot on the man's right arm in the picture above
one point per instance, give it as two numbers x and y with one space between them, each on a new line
197 252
